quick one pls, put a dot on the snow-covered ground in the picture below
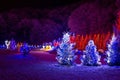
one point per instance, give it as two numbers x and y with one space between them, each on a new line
43 66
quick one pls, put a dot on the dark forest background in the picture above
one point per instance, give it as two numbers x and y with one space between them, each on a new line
36 25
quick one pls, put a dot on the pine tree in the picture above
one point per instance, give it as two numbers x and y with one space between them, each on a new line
12 44
90 55
66 51
114 51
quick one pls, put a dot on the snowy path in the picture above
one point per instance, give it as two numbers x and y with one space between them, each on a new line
43 66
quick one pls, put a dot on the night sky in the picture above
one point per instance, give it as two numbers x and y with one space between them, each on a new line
9 4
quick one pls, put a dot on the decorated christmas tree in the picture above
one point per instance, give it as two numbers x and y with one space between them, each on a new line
114 51
90 55
66 51
25 49
114 46
12 44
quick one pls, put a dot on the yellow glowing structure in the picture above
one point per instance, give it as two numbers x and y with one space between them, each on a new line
47 48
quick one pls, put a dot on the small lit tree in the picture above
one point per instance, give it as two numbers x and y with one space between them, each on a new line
90 55
12 44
